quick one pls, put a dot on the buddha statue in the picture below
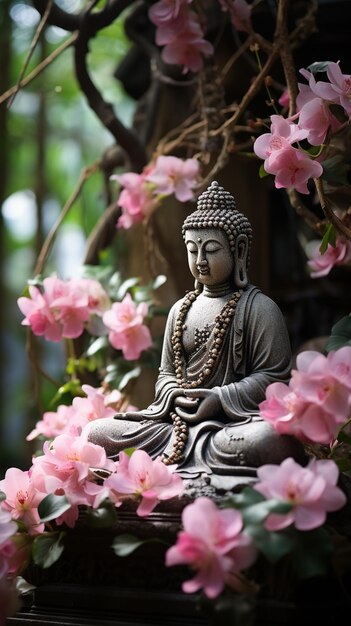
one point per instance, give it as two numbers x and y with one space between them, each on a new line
224 343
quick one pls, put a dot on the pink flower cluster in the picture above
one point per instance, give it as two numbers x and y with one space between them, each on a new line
126 329
69 467
148 480
321 264
291 166
179 30
62 308
213 544
239 13
312 491
317 401
71 419
142 193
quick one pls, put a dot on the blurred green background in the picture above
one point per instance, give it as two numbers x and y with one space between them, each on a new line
48 135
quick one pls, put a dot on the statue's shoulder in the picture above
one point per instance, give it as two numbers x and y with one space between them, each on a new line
255 300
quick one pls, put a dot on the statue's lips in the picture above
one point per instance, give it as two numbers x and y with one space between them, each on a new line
203 271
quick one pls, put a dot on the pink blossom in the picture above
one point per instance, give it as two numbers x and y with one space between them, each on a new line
7 529
180 31
317 401
290 414
144 478
338 90
22 498
316 117
39 316
173 175
283 134
284 99
67 468
58 310
53 423
166 11
91 408
135 199
70 304
127 331
187 51
211 543
316 382
240 14
322 264
293 169
98 300
311 491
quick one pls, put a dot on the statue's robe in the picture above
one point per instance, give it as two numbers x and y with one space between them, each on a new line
255 352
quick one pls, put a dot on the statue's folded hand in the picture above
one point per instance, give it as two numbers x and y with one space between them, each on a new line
197 405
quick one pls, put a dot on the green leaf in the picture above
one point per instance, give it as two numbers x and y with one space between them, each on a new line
47 549
2 496
247 497
273 545
103 517
335 171
344 465
159 281
99 344
340 334
52 507
318 66
123 545
329 237
262 172
125 286
257 513
312 552
134 373
72 387
344 437
129 451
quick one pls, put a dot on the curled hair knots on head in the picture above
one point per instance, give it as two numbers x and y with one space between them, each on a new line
216 208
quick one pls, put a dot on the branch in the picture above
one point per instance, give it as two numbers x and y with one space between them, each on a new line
40 68
281 37
87 172
302 210
127 139
36 38
328 211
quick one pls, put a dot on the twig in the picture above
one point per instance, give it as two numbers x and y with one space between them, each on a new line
35 40
219 164
282 38
40 68
328 211
86 173
302 210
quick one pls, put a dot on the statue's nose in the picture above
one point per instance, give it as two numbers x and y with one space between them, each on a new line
201 259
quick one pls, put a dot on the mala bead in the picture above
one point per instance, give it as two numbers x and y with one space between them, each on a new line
222 322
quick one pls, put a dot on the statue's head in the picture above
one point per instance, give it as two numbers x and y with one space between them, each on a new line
216 212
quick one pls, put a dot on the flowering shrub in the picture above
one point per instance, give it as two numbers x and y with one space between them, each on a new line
317 401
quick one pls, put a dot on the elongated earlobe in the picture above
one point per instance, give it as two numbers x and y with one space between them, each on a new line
240 257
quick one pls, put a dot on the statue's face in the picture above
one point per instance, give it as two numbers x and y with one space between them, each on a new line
210 259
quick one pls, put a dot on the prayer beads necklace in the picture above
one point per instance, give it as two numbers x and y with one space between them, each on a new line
222 322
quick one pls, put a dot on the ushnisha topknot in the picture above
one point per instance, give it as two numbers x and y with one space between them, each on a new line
216 208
